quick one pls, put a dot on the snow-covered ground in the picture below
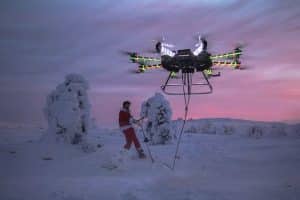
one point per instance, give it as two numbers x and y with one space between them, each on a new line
225 164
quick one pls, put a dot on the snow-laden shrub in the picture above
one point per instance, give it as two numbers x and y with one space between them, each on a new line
228 130
255 131
157 112
278 130
68 111
208 128
192 129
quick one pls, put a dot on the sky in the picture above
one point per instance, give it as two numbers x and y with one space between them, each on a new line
43 41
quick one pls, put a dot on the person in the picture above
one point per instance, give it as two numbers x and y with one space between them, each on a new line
125 123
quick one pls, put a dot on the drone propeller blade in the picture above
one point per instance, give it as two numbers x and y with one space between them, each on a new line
225 65
241 45
169 45
128 53
152 51
201 39
244 67
162 40
135 71
159 39
198 36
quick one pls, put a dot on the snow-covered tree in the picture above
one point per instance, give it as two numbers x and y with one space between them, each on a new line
68 111
158 113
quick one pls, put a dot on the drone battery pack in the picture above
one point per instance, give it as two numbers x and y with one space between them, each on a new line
184 52
184 58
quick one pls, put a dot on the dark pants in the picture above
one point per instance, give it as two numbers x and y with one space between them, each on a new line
131 137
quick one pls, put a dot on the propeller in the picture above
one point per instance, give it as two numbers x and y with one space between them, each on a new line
243 67
135 71
220 67
128 53
168 45
241 45
197 37
161 41
152 51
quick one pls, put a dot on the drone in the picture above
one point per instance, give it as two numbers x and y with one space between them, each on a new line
186 62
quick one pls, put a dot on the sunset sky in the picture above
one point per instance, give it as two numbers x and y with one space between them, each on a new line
42 41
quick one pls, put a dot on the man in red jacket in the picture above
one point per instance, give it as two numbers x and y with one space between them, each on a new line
125 122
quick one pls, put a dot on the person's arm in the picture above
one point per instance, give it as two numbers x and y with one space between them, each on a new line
135 121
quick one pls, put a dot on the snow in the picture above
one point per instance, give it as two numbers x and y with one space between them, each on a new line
212 165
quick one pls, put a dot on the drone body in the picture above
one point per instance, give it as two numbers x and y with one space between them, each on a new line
187 62
199 59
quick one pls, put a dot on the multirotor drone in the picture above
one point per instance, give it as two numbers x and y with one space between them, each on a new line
185 63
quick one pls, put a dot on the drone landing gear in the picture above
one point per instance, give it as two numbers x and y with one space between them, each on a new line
187 85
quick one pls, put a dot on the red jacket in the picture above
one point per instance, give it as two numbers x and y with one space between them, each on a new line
124 118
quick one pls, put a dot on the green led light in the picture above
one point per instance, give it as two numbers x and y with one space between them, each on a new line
143 59
233 64
173 74
226 55
208 72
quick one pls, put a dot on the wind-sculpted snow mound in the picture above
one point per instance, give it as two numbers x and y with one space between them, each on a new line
158 113
68 112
